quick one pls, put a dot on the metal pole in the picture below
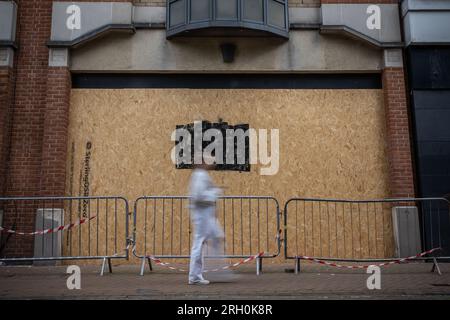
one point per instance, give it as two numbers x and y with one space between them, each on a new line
297 265
436 267
150 264
142 267
257 266
103 267
109 265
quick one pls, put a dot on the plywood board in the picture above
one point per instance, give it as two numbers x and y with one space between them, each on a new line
332 144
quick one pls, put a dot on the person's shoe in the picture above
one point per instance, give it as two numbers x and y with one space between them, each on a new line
200 282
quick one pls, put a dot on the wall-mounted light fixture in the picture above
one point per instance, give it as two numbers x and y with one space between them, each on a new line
228 52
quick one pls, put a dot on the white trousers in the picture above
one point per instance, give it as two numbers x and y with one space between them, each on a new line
206 228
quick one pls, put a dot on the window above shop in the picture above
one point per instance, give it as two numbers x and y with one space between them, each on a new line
246 18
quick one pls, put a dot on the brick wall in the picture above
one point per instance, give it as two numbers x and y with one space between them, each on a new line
6 100
398 133
56 120
304 3
24 166
360 1
32 59
150 3
38 132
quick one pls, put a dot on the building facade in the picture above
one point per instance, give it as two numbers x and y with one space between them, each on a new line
91 92
425 25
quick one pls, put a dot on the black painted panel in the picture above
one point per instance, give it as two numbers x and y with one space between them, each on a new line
433 124
431 99
431 114
437 185
228 81
429 67
429 81
434 158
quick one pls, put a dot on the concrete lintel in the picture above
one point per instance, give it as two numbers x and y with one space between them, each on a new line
392 58
6 57
58 57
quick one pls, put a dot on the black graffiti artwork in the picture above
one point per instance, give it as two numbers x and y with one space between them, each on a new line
227 147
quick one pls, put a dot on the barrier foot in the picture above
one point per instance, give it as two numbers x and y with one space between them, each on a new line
297 266
110 265
436 267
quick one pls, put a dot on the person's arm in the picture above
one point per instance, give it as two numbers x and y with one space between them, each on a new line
211 194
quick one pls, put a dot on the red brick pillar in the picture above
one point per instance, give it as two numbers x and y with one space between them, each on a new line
360 1
6 102
33 32
24 165
54 141
398 132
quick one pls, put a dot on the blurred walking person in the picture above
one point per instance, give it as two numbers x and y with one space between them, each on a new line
204 195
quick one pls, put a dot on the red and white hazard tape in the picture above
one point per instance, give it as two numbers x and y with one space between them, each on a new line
52 230
384 264
234 265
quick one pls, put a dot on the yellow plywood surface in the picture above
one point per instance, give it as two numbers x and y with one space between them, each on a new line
332 144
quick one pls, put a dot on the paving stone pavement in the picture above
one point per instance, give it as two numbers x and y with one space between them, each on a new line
408 281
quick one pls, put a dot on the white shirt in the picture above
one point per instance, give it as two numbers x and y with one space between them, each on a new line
202 190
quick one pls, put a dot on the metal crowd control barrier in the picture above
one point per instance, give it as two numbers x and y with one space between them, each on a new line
162 228
366 230
65 228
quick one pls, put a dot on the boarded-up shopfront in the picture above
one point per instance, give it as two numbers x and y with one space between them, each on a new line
122 76
332 144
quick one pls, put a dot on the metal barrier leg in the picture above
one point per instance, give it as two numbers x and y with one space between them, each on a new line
258 263
102 272
436 267
150 264
103 267
142 267
109 265
297 266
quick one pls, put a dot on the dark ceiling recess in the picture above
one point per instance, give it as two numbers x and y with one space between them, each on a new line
245 18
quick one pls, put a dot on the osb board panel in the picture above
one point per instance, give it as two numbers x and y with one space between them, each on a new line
332 144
